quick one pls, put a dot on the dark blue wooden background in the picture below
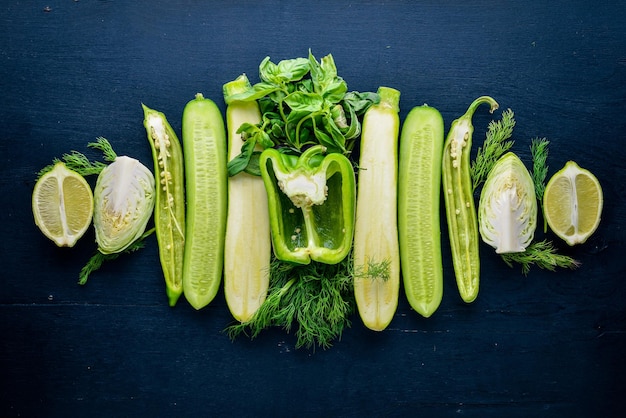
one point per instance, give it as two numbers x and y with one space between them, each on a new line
549 344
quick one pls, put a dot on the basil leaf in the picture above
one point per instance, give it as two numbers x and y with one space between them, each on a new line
327 64
354 130
304 102
255 92
338 139
305 85
241 161
268 71
360 102
325 140
264 140
286 71
248 129
335 90
293 69
253 166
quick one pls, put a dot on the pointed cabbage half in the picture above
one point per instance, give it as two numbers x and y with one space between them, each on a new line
124 202
507 212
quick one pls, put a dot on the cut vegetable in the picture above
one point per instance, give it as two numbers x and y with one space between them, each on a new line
459 201
124 203
507 213
572 203
169 208
204 147
311 204
248 248
62 205
376 252
419 193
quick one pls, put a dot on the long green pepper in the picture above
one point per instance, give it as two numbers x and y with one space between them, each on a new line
169 210
459 201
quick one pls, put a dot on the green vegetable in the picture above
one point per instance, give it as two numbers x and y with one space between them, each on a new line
419 193
204 147
542 254
169 210
245 283
123 204
316 299
507 212
311 204
459 201
303 103
376 229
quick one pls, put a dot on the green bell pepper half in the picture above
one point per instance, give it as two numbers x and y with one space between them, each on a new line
312 201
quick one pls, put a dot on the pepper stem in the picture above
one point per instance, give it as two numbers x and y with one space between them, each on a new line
305 158
482 99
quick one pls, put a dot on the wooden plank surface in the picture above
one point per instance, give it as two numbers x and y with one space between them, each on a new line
548 344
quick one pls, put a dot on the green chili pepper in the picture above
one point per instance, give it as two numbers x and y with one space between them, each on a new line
311 204
459 201
169 208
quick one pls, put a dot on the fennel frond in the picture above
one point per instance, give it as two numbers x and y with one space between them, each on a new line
496 143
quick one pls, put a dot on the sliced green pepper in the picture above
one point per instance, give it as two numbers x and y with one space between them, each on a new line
311 201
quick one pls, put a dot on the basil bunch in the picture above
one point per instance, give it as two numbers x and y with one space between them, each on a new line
303 103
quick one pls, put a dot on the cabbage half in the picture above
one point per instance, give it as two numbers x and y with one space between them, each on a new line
507 211
124 201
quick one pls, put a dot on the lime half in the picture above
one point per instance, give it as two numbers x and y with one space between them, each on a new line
572 203
62 205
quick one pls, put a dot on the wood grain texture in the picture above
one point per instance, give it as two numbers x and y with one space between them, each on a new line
548 344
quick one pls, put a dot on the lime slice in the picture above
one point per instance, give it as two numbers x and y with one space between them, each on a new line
572 203
62 205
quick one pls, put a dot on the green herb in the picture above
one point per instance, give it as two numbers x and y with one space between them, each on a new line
374 271
317 299
79 162
495 145
303 102
104 145
98 258
543 255
539 152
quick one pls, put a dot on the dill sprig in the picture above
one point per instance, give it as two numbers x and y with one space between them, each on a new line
495 145
104 145
317 299
539 152
374 270
79 162
98 258
542 254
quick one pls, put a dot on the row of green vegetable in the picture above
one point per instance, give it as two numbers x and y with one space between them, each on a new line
311 203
